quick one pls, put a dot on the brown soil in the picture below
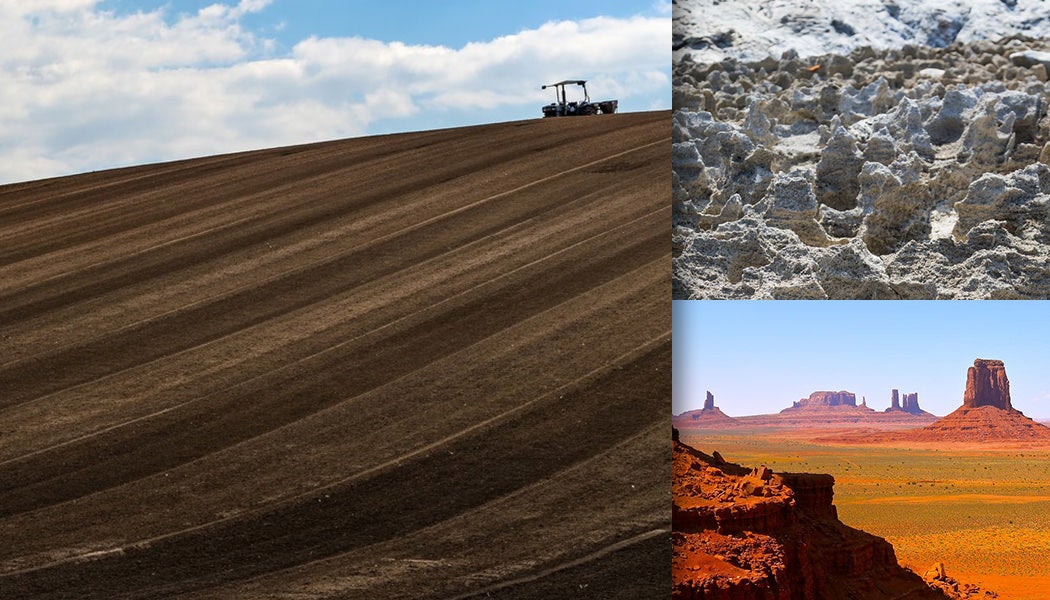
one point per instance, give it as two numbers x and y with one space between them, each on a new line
387 367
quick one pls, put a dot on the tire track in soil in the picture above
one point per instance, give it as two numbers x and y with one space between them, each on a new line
272 298
83 214
108 209
377 188
333 336
531 446
327 343
174 438
501 516
545 430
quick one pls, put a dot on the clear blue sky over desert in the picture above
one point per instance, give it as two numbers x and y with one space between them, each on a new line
758 357
91 84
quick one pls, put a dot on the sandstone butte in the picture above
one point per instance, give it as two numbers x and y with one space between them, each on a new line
710 416
986 415
987 385
741 534
910 404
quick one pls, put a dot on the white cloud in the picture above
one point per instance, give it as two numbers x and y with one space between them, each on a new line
87 88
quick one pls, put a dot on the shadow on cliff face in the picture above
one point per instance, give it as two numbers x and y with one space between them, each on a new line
742 534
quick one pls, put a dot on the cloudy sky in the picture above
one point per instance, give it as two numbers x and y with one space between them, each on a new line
757 357
92 84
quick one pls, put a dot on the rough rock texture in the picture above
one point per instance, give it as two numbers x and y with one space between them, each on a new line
914 173
711 30
1031 59
895 401
709 401
825 400
743 533
987 385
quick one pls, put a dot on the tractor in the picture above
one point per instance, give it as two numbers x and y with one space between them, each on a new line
562 108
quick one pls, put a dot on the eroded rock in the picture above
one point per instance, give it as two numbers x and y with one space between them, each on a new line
875 181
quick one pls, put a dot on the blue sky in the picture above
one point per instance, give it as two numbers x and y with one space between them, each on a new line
758 357
453 23
92 84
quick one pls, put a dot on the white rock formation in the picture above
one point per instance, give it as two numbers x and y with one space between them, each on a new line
713 30
863 176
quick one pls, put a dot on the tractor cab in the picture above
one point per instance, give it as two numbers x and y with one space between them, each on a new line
561 107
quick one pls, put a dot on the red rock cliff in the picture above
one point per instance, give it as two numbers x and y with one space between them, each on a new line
741 534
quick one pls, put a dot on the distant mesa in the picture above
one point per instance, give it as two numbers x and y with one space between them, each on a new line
829 409
819 409
819 400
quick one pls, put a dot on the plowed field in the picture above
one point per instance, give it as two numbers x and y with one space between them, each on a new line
427 365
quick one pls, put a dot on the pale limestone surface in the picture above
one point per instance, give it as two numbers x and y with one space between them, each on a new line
911 173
